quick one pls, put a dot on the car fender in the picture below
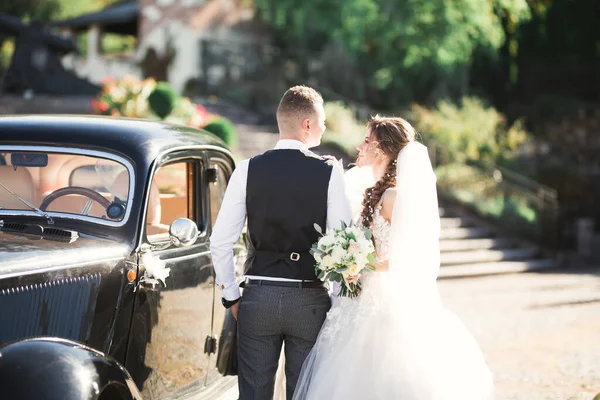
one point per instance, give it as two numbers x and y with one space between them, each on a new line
53 368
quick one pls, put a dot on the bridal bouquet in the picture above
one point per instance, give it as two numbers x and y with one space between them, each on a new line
343 255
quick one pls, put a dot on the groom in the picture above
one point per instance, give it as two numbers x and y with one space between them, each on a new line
283 193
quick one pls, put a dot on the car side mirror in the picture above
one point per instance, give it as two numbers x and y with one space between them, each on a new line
183 232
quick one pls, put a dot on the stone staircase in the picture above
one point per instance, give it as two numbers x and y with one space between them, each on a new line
471 247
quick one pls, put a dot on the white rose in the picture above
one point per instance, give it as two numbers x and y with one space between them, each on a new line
361 261
326 262
326 241
354 248
338 254
366 246
353 269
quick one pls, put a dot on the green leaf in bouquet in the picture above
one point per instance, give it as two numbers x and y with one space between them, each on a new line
342 269
370 267
344 226
371 258
321 275
368 234
318 228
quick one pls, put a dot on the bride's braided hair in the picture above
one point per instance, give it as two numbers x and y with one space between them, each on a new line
392 134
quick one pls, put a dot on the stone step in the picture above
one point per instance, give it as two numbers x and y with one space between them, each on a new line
487 256
452 245
498 268
455 222
465 233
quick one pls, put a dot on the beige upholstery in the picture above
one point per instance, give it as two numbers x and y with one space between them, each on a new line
153 223
20 182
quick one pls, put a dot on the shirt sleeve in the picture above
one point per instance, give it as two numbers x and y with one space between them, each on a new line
227 231
338 204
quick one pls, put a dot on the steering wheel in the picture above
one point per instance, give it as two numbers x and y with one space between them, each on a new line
89 193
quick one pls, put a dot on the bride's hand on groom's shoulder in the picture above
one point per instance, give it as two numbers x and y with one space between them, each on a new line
331 159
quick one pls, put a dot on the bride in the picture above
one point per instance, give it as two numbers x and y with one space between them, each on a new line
395 340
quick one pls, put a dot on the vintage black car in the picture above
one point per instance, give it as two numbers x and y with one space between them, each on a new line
106 281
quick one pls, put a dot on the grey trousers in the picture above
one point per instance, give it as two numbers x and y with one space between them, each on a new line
268 317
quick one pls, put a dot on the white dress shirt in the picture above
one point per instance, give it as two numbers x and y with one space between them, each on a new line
232 217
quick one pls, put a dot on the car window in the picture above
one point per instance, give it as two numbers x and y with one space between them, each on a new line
88 185
217 191
170 199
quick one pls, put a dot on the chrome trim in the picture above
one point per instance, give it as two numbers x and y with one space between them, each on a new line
25 271
198 147
83 152
154 167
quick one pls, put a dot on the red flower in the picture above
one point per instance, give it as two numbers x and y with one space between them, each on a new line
103 106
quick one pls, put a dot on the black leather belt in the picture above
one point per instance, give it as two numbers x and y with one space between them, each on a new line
300 285
294 256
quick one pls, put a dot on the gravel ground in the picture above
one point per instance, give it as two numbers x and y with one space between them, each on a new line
539 332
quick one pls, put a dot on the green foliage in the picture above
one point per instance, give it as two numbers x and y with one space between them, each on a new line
162 100
30 10
224 129
403 47
479 191
117 44
46 10
471 130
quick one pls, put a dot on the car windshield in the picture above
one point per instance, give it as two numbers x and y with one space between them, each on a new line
56 183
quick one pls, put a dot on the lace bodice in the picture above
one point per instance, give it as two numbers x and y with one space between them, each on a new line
381 233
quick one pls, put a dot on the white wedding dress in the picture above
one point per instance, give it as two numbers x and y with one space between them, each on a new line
395 340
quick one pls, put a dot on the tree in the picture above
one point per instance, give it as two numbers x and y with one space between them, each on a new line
404 48
42 10
46 10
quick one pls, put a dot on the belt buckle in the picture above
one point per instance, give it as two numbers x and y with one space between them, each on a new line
294 256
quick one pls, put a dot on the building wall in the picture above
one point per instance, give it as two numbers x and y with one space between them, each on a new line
173 30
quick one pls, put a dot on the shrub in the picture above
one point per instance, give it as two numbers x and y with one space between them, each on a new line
162 100
130 97
471 130
224 129
343 129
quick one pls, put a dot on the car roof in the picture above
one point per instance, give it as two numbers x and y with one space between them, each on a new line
140 140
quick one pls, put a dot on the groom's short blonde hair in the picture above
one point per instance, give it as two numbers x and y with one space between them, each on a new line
299 101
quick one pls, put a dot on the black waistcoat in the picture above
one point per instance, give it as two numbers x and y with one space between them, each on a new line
286 194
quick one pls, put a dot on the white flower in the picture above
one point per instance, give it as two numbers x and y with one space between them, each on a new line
338 255
326 241
317 257
354 248
366 245
154 269
361 261
353 269
326 262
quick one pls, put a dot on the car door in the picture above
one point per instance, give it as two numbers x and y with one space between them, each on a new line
172 320
221 169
